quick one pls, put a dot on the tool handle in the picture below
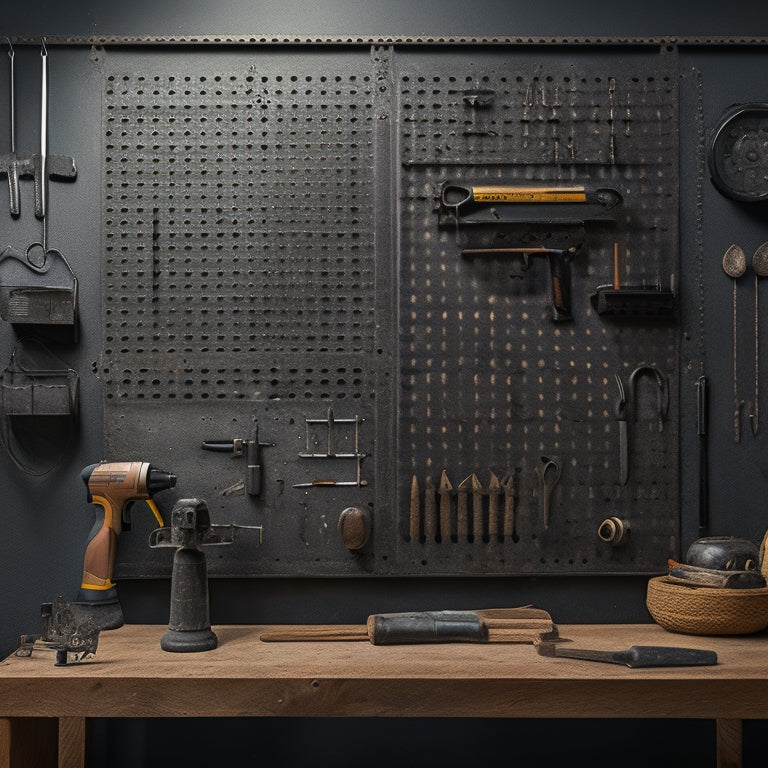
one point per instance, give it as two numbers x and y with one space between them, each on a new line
426 627
99 561
560 275
10 166
666 656
320 632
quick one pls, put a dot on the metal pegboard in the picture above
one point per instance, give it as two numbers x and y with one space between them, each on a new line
273 255
491 387
238 237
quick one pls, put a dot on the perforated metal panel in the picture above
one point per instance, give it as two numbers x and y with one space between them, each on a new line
491 385
238 259
273 255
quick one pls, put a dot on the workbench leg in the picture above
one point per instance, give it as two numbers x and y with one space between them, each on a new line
5 742
73 742
728 743
28 742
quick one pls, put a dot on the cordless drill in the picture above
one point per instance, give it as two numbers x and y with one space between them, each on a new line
115 486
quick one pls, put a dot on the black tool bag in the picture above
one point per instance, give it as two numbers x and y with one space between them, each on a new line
37 291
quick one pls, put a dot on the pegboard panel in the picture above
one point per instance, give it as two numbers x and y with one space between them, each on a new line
277 267
238 210
492 389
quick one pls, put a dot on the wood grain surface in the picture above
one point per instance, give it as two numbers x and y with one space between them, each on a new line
131 676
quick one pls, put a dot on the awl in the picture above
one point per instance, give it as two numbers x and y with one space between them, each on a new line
494 625
636 655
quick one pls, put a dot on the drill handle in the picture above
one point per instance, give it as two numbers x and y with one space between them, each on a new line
99 561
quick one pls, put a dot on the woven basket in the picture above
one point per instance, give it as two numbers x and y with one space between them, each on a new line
705 610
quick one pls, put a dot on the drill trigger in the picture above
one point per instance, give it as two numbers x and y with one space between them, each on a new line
126 515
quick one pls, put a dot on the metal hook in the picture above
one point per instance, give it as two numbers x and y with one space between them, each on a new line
662 395
11 52
43 50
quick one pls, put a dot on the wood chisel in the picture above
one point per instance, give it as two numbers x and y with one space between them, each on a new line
494 625
635 656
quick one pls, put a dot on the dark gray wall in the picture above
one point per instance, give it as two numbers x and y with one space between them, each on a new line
47 519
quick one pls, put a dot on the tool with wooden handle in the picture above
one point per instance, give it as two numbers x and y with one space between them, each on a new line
493 625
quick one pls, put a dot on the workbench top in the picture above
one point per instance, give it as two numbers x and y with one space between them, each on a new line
130 676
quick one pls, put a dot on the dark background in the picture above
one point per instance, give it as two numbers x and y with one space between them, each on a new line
47 520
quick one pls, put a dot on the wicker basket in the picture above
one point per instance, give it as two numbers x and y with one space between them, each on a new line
705 610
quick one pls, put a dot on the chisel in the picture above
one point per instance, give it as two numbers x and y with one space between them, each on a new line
494 625
635 656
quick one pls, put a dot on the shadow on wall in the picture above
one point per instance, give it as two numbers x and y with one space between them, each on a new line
406 743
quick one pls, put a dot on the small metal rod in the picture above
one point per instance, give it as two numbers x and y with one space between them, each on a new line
44 141
702 416
330 484
501 251
754 416
12 115
359 456
737 405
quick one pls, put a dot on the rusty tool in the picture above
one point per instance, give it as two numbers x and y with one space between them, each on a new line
559 271
430 510
250 448
414 522
636 656
67 632
494 491
329 483
702 418
462 509
509 528
735 265
477 508
491 625
444 490
549 476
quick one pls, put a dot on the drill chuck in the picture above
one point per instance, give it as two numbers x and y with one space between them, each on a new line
157 481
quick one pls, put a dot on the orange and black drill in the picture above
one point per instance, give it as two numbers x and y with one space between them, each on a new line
114 486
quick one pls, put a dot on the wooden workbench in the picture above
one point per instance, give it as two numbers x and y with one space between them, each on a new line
244 677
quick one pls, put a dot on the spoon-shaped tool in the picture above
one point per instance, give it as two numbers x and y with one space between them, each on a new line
735 265
760 268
